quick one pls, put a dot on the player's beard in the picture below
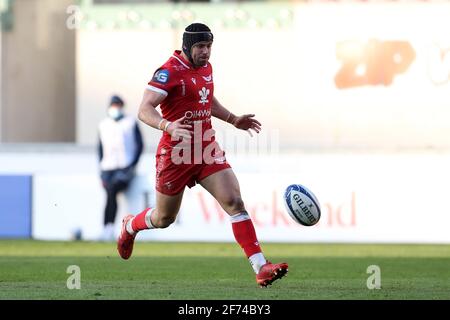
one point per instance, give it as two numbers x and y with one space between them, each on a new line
201 62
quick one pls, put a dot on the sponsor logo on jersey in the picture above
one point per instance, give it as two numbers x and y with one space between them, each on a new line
194 81
208 78
161 76
204 96
195 114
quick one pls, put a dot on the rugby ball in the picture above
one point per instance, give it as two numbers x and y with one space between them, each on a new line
302 205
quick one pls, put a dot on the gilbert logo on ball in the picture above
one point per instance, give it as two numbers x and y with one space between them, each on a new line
302 205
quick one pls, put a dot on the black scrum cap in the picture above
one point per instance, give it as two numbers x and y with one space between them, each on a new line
194 33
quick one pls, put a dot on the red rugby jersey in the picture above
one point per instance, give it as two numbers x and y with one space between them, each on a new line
189 92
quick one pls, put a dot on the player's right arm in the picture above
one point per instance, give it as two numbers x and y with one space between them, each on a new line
151 117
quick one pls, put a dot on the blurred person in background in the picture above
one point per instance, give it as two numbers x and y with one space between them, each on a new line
184 89
120 146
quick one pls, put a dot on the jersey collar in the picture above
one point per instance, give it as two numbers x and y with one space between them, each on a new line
177 55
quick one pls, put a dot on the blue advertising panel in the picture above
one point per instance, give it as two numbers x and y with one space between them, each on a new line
15 206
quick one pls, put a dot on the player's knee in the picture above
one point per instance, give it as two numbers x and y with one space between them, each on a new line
235 204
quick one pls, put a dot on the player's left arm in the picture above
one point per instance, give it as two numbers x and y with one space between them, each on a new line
244 122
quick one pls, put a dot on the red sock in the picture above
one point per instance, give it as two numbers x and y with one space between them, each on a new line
138 223
245 235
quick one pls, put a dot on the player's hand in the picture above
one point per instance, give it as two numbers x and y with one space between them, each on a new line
178 130
246 122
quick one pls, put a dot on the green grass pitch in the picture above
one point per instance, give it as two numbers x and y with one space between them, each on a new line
190 271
